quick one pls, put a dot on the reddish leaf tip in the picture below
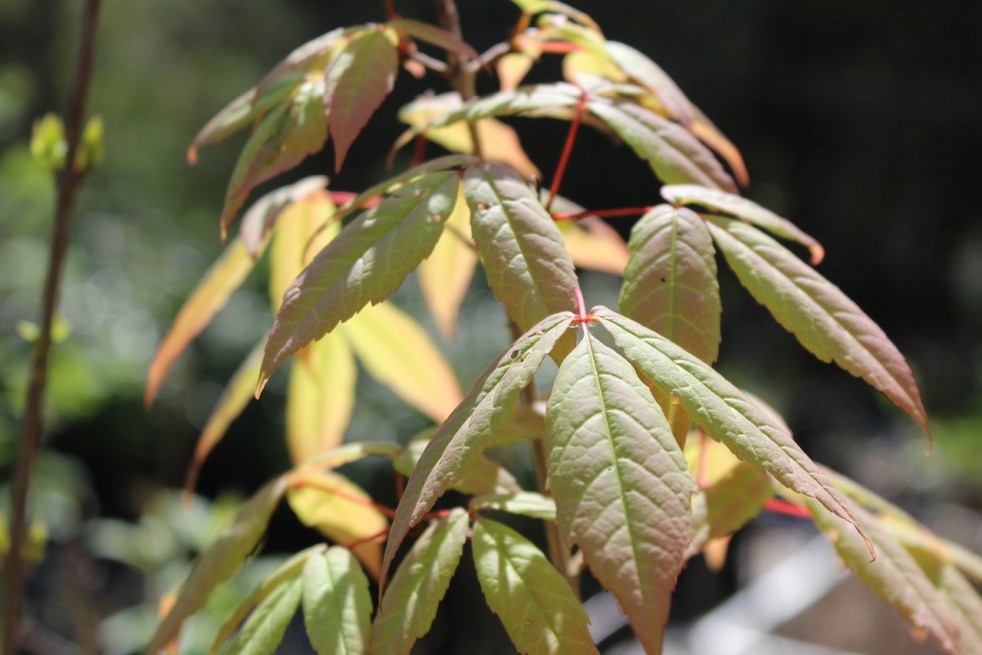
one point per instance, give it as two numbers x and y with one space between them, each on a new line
817 253
193 156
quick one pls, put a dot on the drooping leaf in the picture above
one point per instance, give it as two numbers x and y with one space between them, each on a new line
337 608
342 512
409 604
302 229
651 76
485 476
261 218
964 600
434 35
525 503
320 399
532 599
349 452
721 202
282 139
670 283
357 80
711 135
364 264
824 320
726 414
211 294
237 394
397 352
284 573
527 265
542 98
220 560
728 504
556 7
674 155
445 275
499 142
264 629
894 576
512 69
622 487
527 424
311 58
471 427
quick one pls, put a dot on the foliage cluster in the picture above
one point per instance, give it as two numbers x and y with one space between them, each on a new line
646 454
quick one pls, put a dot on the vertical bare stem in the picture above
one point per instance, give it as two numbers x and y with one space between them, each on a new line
459 74
69 181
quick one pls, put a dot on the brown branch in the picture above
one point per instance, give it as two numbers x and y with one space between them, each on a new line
69 181
459 74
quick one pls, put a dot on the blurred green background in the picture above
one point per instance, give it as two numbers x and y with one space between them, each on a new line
859 121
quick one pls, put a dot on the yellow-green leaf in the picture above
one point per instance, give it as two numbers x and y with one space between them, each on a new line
622 487
341 511
484 477
409 604
320 399
337 608
728 504
297 227
532 599
211 294
723 411
524 503
219 561
264 629
281 140
446 274
364 264
358 79
471 428
397 352
526 262
824 319
262 217
721 202
670 284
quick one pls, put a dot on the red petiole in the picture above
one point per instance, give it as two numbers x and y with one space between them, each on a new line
574 128
783 507
602 213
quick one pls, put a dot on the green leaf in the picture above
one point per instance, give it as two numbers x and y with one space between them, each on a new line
728 504
539 99
622 487
964 599
357 81
485 476
220 560
237 394
446 274
320 399
262 217
278 85
341 511
286 572
364 264
723 411
670 283
434 35
673 153
422 579
526 424
721 202
211 294
397 352
650 75
337 608
533 601
282 139
894 576
826 322
525 503
527 265
264 629
471 428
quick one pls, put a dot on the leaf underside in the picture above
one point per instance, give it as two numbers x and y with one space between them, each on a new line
364 264
621 483
471 428
723 411
670 283
533 601
409 605
824 320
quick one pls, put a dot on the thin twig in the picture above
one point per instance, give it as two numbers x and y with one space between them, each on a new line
574 128
461 78
69 181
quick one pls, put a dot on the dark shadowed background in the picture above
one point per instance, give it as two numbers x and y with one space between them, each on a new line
858 120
